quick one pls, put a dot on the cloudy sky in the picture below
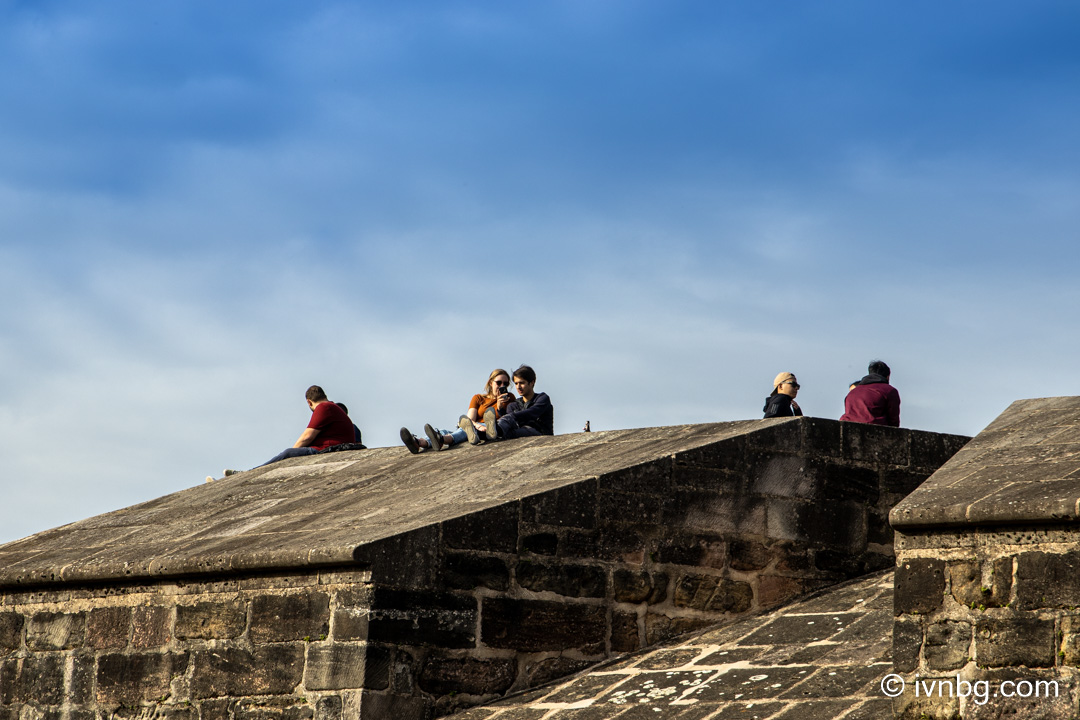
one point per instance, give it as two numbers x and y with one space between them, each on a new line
206 207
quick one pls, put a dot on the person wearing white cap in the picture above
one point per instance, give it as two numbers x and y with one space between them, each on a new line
781 403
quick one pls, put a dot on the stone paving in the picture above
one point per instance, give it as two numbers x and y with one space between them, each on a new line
821 658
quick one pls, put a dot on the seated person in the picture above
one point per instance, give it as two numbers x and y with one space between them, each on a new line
781 403
873 400
329 426
536 416
494 396
359 439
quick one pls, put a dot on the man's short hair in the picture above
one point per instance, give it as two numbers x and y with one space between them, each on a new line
315 394
526 373
877 367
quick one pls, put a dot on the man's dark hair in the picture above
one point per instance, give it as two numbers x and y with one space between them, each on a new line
526 373
343 408
315 394
877 367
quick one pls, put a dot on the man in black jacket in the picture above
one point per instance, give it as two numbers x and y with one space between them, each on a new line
536 417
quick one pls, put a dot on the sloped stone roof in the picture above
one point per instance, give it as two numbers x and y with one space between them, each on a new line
822 658
317 510
1023 469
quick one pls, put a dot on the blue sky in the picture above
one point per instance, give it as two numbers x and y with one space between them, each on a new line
207 207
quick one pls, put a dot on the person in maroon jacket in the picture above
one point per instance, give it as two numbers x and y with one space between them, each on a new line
329 426
873 400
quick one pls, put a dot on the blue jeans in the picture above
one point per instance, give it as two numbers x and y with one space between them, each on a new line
509 428
291 452
457 435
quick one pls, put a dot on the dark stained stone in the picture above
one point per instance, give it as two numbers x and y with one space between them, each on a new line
713 594
39 680
11 627
335 666
441 676
534 625
266 670
130 679
624 632
277 618
920 585
464 571
1047 580
562 579
540 543
1015 640
493 530
211 620
151 626
632 586
423 618
907 641
108 628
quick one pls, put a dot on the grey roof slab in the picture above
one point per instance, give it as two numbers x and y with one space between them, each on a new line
1023 469
740 670
317 510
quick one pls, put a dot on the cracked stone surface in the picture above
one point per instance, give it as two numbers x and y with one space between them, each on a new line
817 659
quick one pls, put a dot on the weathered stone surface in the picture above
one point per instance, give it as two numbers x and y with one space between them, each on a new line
328 707
211 620
108 628
465 571
441 676
151 626
423 618
266 670
920 585
1047 580
907 638
39 680
624 632
336 666
533 625
966 579
1015 640
494 530
630 586
571 580
279 618
540 543
713 594
55 631
11 627
129 679
948 645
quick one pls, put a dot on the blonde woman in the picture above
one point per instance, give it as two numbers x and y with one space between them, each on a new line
496 395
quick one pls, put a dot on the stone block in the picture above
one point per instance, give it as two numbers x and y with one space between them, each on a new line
286 708
552 668
907 638
693 550
328 707
948 645
876 444
55 631
616 507
1047 580
470 676
710 593
392 706
841 525
108 628
562 579
466 571
624 632
714 481
1013 640
281 618
708 513
335 666
492 530
580 544
659 628
403 561
80 686
919 586
151 626
631 586
649 478
11 630
432 619
776 589
40 680
211 620
849 482
748 555
540 543
233 672
1070 640
966 580
902 481
536 625
131 679
570 506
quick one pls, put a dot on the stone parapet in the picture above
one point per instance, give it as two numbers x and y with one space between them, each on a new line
988 573
471 573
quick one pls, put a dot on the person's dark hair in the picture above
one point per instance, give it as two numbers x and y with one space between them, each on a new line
526 373
315 394
877 367
342 406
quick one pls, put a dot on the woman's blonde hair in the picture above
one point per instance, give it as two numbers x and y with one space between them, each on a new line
494 374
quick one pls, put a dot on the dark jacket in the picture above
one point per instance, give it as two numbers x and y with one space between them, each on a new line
537 413
779 405
873 401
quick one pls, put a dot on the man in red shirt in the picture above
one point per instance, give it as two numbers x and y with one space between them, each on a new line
329 426
873 400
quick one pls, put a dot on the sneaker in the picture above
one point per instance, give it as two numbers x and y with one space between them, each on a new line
492 429
227 472
209 478
410 441
470 429
434 437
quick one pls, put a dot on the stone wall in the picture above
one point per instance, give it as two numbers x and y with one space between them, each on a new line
988 574
468 607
